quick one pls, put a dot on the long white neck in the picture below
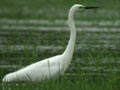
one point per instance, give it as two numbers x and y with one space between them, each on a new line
68 53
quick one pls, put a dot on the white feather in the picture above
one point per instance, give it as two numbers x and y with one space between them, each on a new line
50 67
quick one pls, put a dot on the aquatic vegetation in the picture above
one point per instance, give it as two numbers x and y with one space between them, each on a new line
28 32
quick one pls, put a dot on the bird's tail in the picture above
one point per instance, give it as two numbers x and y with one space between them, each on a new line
16 76
9 77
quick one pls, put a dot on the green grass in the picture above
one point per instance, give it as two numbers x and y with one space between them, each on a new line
104 80
39 9
95 64
89 82
82 58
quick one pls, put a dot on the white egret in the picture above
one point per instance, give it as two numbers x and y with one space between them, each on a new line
50 67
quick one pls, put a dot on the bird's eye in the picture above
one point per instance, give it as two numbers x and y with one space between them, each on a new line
81 7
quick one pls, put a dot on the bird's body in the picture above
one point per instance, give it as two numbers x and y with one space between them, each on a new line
38 71
50 67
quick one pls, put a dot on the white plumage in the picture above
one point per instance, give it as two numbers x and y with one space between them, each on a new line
38 71
50 67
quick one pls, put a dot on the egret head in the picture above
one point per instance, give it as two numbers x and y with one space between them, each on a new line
82 7
77 7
